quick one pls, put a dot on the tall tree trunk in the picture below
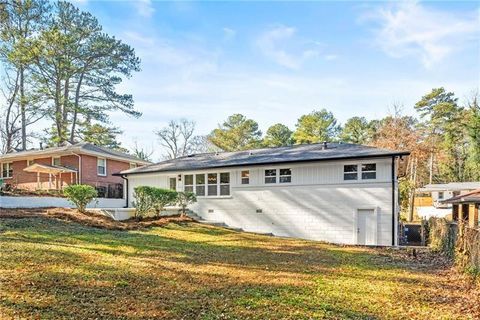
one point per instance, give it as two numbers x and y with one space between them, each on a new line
65 109
9 123
75 109
58 112
430 179
23 108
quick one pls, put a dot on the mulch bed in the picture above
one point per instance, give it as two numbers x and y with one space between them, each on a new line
91 219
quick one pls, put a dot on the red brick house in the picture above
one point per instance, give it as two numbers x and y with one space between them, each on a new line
56 167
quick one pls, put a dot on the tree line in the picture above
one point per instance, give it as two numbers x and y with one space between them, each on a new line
58 65
444 136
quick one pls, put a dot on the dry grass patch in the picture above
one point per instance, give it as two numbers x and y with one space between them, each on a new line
91 218
56 269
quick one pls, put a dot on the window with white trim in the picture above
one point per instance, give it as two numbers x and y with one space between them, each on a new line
188 186
208 184
212 184
200 184
245 176
7 170
350 172
101 166
369 171
271 176
285 175
30 162
56 161
224 183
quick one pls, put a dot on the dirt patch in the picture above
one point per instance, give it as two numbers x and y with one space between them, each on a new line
90 218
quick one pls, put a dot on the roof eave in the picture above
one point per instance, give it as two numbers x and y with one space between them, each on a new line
389 155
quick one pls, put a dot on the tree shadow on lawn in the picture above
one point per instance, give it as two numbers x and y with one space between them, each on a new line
158 275
278 256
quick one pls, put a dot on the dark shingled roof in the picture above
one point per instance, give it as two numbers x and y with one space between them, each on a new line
77 147
107 151
290 154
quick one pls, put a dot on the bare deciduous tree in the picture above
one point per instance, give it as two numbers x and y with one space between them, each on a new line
177 137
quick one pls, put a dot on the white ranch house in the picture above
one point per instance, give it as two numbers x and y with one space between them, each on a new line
335 192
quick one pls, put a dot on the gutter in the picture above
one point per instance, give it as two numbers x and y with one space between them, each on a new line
393 201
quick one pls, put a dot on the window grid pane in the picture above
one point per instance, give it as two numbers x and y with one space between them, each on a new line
188 179
225 190
285 175
224 177
350 176
271 176
350 168
200 179
200 190
369 171
245 177
369 175
7 170
212 190
212 178
100 166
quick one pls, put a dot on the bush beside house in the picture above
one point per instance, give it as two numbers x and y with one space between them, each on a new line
154 200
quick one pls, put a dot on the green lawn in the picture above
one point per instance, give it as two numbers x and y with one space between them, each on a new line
52 269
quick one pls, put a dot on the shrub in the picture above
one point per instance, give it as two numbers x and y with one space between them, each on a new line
80 195
149 199
184 199
162 198
143 200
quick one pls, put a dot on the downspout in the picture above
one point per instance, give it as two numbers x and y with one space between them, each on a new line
124 177
393 201
79 173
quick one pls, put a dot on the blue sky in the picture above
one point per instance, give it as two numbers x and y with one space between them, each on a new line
274 61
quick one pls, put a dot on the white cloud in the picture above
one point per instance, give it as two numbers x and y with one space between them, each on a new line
229 33
144 8
280 45
409 29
